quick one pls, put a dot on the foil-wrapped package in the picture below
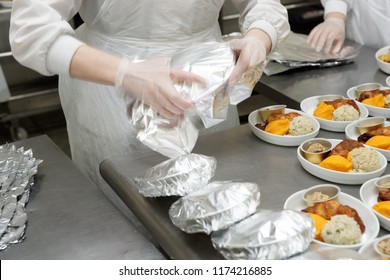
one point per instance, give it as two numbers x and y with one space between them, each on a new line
214 62
177 177
266 235
215 207
17 168
294 52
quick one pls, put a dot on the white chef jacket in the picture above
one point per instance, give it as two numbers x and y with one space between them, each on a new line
368 21
97 122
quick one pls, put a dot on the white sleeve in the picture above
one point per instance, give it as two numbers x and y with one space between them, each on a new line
41 37
267 15
340 6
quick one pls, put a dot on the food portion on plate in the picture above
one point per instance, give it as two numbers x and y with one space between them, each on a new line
382 57
374 96
282 126
341 221
383 201
333 112
382 247
292 123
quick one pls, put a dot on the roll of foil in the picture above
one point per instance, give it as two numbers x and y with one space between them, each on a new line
212 61
215 207
266 235
177 177
17 168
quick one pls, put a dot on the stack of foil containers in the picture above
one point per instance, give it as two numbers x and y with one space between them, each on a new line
17 170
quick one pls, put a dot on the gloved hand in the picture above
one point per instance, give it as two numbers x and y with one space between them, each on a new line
250 52
151 81
328 35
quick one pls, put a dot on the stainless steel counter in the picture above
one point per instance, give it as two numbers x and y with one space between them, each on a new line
69 218
292 87
240 155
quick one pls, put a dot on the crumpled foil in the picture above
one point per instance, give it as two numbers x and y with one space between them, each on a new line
266 235
215 207
214 62
17 168
294 52
177 177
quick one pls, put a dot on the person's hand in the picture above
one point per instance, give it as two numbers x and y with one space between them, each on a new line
250 52
151 81
328 35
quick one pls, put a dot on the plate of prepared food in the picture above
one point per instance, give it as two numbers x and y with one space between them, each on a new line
368 250
370 195
348 162
378 138
333 112
376 98
343 223
287 127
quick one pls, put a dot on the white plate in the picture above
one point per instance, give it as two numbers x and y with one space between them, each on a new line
353 133
286 140
369 195
296 202
372 110
346 178
308 106
367 250
6 4
388 81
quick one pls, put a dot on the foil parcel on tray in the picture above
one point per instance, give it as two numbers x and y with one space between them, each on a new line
217 206
266 235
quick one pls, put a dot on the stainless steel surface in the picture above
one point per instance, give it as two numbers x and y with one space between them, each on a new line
292 87
68 218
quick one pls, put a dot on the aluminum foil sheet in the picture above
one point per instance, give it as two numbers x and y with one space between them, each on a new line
266 235
178 176
214 62
294 52
215 207
17 168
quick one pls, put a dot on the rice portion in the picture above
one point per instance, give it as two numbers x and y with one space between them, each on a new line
345 113
300 125
364 160
341 230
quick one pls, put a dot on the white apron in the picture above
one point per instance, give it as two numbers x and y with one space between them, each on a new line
96 118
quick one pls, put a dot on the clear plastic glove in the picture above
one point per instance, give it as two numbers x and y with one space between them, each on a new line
152 82
329 35
250 52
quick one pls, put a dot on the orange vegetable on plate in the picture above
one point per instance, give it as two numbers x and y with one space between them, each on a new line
319 223
324 111
337 163
279 127
379 141
383 208
378 100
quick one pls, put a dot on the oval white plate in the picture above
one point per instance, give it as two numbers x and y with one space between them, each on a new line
372 110
367 250
308 106
353 133
296 202
286 140
338 176
388 81
369 196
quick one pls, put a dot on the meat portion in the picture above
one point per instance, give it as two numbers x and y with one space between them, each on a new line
344 147
288 116
330 208
384 194
384 131
340 102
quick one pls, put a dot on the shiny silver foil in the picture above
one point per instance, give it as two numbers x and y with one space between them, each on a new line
214 62
266 235
177 177
294 52
215 207
17 168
